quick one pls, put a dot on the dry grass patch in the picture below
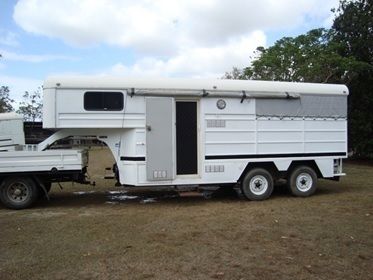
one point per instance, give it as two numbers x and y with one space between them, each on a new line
326 236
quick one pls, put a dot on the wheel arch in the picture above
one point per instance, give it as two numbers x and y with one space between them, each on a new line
267 165
310 163
271 167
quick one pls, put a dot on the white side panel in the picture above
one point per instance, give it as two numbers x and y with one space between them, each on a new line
49 108
70 112
281 136
327 135
11 134
134 116
282 164
140 142
326 167
232 171
277 136
25 161
231 129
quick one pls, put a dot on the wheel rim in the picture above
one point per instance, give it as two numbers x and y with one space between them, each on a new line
304 182
18 192
258 185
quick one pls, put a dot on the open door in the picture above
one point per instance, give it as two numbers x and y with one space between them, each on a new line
186 138
160 151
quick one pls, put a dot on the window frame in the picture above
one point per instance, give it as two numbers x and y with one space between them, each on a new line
103 109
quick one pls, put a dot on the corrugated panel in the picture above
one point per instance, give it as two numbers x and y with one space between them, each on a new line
305 106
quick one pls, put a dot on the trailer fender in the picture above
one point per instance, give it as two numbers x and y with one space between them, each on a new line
282 164
325 166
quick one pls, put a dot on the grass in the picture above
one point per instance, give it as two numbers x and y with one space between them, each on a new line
82 236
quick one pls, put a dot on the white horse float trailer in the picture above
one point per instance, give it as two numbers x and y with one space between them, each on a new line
177 132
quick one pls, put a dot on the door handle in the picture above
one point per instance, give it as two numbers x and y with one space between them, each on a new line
148 127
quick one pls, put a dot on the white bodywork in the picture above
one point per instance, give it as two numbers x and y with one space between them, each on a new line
11 128
26 161
16 157
228 139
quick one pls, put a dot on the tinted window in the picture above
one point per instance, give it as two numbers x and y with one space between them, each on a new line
103 101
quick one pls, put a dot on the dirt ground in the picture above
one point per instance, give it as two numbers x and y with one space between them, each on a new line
87 232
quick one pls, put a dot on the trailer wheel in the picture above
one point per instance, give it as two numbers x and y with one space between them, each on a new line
302 181
18 192
257 184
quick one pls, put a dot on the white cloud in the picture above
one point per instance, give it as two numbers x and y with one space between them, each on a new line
161 27
170 37
6 55
197 61
8 38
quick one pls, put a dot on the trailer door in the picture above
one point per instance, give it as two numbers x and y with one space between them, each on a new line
160 150
186 138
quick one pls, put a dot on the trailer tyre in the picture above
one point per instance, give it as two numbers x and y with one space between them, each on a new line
18 192
257 184
302 181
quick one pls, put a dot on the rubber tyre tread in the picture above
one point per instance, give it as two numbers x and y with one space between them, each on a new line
293 177
32 188
245 188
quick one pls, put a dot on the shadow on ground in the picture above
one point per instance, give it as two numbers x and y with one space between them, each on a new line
126 197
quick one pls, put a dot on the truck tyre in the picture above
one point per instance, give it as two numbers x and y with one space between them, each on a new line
257 184
18 192
302 181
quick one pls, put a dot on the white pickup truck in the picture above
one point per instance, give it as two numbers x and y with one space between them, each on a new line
26 173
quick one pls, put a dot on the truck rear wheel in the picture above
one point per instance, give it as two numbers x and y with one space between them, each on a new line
302 181
18 192
257 184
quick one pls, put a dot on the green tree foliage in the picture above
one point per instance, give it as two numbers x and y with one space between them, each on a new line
31 106
235 74
343 54
353 30
5 100
311 57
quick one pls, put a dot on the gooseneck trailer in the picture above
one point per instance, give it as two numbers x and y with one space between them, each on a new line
177 132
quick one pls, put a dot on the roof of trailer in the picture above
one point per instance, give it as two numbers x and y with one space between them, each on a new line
116 82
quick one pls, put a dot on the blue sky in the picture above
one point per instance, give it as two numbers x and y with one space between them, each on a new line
175 38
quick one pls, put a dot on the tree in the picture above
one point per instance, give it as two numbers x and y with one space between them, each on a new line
235 74
311 57
353 29
31 106
5 100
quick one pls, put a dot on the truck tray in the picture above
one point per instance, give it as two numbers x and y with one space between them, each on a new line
42 161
